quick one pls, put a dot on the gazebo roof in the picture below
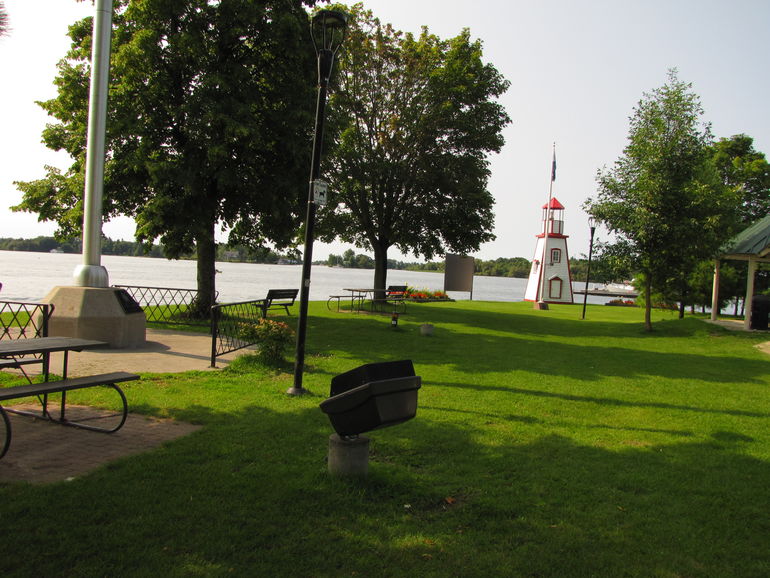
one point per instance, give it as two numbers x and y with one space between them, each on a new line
754 241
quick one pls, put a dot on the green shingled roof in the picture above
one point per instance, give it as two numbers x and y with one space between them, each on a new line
753 241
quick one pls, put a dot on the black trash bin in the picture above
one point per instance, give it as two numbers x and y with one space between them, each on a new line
760 311
372 396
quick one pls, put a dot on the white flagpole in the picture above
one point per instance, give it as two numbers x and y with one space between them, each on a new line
548 213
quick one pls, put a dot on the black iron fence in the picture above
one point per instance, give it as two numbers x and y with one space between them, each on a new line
168 304
21 319
227 322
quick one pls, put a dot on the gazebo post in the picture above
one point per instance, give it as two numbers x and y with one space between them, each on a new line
715 291
749 293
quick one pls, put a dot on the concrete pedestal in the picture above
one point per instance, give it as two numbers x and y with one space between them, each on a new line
542 305
348 458
95 313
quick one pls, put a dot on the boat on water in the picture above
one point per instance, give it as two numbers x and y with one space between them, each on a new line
625 289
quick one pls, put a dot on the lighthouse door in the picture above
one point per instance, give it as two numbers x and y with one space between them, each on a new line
554 288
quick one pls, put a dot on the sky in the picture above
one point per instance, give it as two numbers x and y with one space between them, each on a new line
577 69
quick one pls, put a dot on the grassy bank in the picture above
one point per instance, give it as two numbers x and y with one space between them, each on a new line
543 446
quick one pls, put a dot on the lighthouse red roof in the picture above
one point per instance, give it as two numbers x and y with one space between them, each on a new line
555 204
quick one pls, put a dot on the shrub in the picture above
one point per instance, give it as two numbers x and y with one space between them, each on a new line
273 337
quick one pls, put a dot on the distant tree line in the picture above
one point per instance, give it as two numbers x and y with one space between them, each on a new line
236 253
518 267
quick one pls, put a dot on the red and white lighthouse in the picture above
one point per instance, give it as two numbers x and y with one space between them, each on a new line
549 279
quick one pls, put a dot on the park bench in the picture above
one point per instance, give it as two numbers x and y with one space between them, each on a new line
62 386
395 295
278 298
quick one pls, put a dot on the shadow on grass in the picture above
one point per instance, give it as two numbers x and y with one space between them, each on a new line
485 353
607 401
249 495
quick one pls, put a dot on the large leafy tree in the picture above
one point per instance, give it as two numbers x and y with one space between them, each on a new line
210 108
747 173
662 199
414 118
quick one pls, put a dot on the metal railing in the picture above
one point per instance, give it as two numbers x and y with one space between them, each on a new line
227 320
168 304
21 319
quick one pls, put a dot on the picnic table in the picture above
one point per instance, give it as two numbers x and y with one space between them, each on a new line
359 296
11 351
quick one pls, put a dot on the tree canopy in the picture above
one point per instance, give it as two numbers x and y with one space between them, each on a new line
412 120
662 198
209 115
747 173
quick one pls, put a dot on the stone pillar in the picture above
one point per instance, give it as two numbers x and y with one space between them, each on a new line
94 313
348 457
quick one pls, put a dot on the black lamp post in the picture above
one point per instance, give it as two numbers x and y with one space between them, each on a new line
327 30
592 226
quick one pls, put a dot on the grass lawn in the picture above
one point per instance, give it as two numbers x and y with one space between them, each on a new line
543 446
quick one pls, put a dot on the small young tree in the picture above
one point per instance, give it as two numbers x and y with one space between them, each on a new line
662 198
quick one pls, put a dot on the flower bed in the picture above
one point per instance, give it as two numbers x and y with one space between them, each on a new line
425 295
622 303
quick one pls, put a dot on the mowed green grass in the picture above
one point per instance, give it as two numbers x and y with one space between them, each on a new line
544 445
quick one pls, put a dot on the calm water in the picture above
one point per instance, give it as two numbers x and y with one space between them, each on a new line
30 276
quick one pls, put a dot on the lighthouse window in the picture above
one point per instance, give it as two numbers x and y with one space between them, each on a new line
555 255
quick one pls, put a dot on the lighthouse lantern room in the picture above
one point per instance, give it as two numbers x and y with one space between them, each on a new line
549 279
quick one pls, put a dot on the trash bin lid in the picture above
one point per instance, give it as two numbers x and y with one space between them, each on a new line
356 397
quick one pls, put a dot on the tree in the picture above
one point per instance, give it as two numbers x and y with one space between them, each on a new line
210 110
662 198
747 173
414 119
4 26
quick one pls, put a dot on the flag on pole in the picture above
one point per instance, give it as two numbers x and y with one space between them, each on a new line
553 166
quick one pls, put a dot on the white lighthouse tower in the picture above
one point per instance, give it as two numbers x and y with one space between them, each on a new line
549 279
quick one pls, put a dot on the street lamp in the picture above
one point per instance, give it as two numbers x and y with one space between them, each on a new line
592 227
327 29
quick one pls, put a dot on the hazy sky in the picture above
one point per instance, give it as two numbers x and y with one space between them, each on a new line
577 69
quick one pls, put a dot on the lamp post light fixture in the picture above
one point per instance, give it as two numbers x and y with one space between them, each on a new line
327 29
592 227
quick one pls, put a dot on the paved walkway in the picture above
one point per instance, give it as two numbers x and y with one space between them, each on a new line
44 452
164 351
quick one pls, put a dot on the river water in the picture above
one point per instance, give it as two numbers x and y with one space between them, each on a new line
27 276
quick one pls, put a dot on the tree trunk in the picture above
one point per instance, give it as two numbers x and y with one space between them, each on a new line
207 251
380 269
647 304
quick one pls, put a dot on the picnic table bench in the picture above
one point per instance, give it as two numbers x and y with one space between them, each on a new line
278 298
62 386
